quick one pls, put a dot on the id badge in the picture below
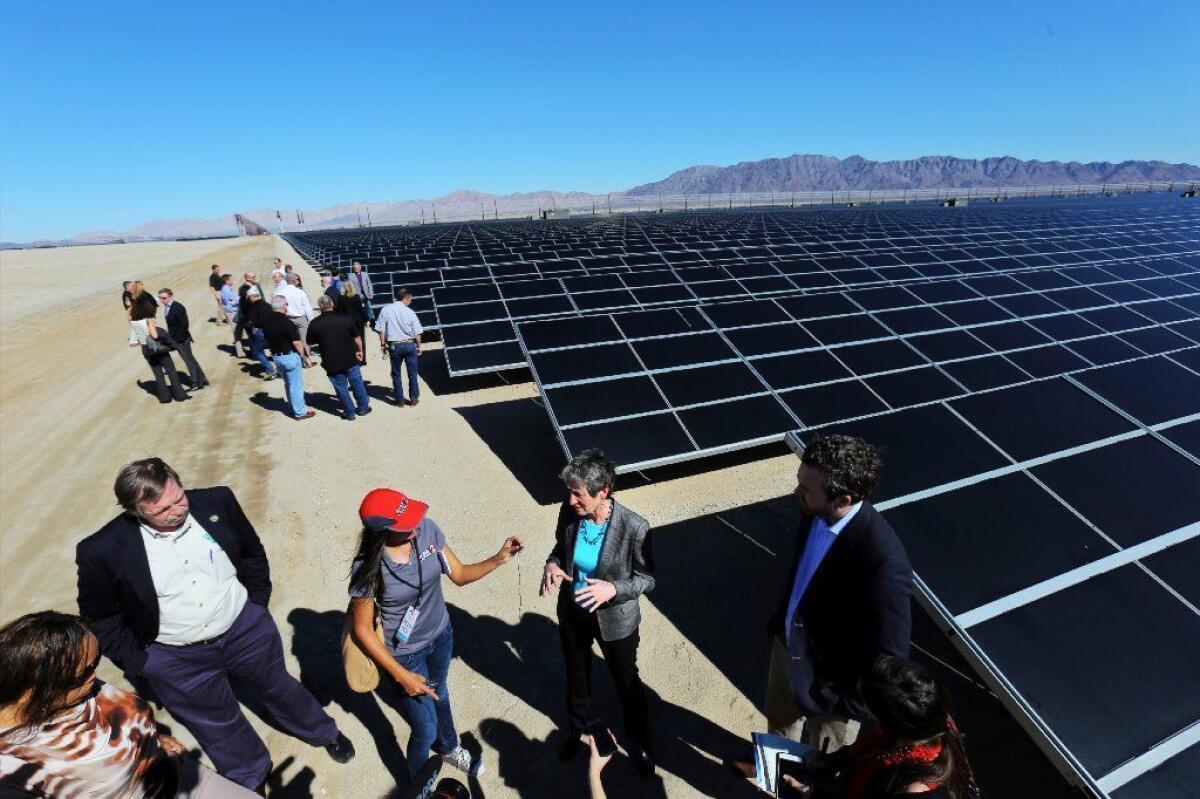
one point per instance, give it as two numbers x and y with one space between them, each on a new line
407 624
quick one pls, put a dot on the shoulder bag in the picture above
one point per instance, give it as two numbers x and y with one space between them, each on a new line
362 673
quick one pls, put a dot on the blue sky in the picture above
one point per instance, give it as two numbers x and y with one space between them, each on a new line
120 113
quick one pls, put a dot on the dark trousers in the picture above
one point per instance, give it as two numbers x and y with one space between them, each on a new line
405 354
164 370
577 629
193 683
195 373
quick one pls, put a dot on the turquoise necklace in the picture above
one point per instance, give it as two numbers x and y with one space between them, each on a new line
591 542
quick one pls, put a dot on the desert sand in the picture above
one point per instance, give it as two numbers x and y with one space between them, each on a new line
76 406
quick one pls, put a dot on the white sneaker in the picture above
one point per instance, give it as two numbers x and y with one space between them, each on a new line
461 759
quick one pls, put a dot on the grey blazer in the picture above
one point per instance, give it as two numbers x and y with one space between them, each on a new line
625 561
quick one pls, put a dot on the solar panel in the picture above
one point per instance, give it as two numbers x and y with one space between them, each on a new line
817 359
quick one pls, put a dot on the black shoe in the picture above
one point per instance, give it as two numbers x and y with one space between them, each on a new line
341 750
570 746
643 760
364 412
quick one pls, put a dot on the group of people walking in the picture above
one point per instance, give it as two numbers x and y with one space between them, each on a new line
282 321
175 590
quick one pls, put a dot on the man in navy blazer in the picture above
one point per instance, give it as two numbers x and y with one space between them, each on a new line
177 326
176 589
846 602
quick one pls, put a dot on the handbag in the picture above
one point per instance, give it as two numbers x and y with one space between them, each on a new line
362 673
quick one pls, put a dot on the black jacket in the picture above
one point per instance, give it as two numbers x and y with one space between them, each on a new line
855 608
177 323
116 591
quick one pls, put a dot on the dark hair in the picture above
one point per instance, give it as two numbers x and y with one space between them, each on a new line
216 266
144 479
41 655
402 293
912 707
168 292
369 573
142 307
226 276
591 469
850 465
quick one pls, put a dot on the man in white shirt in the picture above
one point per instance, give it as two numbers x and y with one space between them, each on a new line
399 332
300 309
176 590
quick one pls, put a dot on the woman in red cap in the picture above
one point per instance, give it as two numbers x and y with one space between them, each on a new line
396 578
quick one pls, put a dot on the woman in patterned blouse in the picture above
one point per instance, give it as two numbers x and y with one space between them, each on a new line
64 733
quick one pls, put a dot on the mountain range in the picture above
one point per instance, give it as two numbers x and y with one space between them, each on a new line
794 173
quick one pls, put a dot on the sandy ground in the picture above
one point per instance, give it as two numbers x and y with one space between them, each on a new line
76 406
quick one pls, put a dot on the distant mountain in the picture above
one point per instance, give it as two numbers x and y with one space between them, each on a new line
825 173
795 173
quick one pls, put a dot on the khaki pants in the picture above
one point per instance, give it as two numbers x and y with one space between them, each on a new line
301 323
828 733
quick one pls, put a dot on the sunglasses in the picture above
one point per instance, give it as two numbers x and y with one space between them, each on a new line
87 674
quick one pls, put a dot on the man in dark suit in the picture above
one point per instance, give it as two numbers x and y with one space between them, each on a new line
846 602
176 589
177 325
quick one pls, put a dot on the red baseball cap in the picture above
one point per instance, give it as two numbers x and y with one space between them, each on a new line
387 509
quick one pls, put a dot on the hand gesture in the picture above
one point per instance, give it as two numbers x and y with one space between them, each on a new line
511 546
171 745
414 684
597 761
596 594
552 576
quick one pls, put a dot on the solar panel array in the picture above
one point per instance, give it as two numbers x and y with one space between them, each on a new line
1055 527
1041 430
660 386
1031 371
473 281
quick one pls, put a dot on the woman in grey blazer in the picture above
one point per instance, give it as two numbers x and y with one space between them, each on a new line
600 565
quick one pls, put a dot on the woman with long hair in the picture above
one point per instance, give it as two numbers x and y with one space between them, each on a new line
913 747
142 321
396 585
64 733
350 303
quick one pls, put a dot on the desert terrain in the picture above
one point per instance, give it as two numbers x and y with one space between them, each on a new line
77 404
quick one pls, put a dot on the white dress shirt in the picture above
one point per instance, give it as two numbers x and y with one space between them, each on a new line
397 322
199 595
298 302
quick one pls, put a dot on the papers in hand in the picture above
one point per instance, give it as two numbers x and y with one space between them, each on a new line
767 751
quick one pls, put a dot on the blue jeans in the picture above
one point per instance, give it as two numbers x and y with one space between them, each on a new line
404 354
258 350
343 383
431 722
290 367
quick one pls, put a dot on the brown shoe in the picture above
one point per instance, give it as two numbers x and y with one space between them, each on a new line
308 415
414 401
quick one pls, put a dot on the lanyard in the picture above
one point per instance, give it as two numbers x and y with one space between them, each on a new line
420 586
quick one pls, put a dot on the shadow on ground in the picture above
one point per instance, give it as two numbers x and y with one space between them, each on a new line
518 432
744 554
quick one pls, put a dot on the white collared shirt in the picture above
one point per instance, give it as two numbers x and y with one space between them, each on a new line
298 302
199 595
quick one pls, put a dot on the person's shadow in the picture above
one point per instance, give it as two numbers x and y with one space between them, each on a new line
523 660
316 643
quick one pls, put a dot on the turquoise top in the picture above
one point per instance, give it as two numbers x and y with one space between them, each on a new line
588 542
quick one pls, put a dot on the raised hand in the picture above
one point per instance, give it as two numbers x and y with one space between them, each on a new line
511 546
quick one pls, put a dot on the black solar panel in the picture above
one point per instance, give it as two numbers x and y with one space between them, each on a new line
1041 434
